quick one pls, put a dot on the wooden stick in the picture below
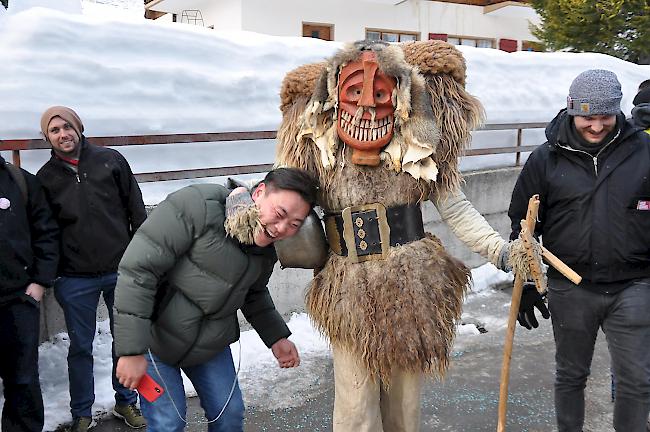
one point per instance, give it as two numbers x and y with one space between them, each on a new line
531 216
507 352
560 266
533 206
527 231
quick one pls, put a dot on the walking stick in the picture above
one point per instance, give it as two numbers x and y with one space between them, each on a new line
527 230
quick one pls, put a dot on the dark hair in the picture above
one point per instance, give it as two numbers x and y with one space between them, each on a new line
293 179
644 85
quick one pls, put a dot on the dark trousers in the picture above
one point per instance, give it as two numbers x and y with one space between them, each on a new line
79 298
19 331
577 314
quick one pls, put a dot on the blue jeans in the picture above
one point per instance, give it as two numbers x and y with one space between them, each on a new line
577 314
212 380
79 298
19 328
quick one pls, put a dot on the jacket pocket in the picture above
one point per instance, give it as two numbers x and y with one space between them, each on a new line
638 229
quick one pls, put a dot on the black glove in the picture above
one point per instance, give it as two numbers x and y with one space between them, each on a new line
531 299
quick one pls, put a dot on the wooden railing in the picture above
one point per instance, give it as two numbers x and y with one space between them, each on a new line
17 145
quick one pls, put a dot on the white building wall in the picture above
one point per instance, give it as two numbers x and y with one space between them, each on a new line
223 15
351 18
466 20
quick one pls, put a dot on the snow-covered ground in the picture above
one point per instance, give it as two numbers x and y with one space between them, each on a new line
125 76
256 360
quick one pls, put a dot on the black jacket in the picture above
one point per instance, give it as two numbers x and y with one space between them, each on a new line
594 215
641 115
29 246
98 209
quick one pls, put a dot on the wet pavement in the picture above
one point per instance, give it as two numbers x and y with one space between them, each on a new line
466 400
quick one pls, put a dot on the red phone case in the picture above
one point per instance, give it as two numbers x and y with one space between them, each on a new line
149 389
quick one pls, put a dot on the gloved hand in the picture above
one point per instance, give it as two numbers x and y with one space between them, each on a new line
503 261
531 299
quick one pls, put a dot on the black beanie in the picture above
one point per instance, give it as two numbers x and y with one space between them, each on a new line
642 97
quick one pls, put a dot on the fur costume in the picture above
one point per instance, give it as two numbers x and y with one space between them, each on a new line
398 312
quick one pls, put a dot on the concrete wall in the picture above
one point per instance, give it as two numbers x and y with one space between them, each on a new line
489 191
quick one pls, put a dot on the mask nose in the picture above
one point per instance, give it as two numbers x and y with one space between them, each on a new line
367 98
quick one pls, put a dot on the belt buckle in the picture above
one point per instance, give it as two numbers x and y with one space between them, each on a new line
349 232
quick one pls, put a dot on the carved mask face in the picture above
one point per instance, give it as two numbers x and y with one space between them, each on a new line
366 111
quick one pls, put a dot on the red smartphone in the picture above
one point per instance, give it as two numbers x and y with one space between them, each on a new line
149 389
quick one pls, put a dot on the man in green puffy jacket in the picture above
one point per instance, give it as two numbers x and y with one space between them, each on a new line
204 253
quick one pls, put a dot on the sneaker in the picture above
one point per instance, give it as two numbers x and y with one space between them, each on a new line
131 415
82 424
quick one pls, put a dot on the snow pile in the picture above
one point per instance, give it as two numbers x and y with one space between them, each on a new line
65 6
127 78
131 10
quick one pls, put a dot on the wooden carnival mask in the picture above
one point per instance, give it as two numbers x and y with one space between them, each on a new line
366 111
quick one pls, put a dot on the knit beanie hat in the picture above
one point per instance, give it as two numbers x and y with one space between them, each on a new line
594 92
642 97
66 114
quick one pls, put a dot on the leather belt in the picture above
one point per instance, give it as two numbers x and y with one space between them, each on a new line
368 231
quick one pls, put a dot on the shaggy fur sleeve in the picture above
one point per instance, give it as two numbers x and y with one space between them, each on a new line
470 226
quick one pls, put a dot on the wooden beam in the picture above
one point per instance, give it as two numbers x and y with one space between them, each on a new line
496 6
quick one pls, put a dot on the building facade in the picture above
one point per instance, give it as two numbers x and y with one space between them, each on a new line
481 23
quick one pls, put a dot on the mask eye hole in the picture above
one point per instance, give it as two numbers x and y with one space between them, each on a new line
354 93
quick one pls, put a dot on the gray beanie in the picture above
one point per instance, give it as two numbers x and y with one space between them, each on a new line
594 92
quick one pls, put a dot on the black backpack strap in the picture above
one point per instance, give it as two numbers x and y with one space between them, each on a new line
19 178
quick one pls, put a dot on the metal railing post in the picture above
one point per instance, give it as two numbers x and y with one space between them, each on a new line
518 155
15 156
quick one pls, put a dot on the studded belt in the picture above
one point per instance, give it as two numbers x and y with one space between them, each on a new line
368 231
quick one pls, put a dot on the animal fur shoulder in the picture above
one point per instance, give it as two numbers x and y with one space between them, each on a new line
299 82
436 57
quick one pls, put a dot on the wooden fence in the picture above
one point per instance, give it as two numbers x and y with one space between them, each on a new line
17 145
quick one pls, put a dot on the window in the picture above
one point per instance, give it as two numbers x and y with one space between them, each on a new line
373 35
391 35
438 36
508 45
531 46
471 41
318 31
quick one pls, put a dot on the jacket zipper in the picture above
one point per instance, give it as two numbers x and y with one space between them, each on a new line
594 158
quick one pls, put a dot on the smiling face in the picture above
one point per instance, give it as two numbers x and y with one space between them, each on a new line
366 111
595 128
282 212
63 138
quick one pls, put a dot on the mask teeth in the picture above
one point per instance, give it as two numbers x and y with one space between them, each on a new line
365 130
358 115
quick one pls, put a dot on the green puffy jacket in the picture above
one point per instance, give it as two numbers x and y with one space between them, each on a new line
207 277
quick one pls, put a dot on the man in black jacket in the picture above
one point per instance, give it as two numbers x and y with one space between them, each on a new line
641 110
98 205
29 251
593 178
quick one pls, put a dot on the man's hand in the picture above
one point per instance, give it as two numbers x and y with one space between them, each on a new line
35 291
285 351
130 369
531 299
